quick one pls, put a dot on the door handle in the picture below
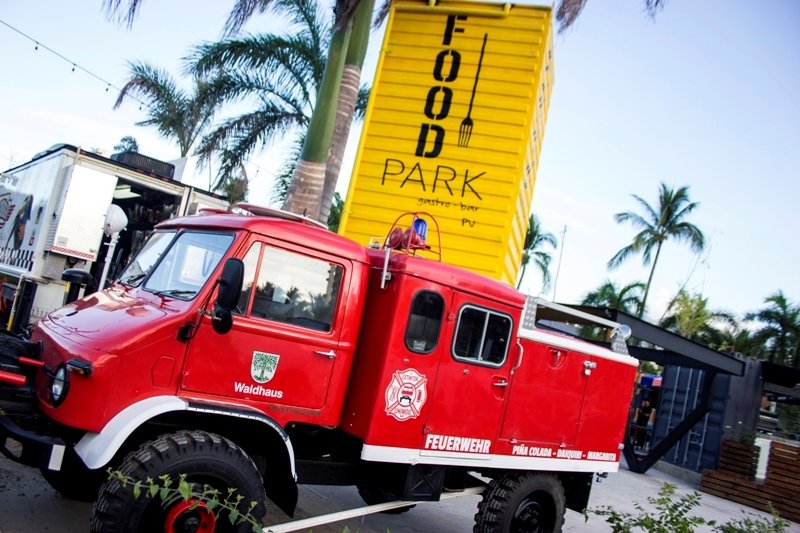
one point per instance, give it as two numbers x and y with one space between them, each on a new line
330 354
588 366
500 383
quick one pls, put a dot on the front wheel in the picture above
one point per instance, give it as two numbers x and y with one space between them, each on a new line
522 503
206 460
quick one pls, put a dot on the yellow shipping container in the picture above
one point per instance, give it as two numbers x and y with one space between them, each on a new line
454 128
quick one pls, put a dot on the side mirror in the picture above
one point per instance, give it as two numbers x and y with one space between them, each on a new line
230 287
222 320
230 284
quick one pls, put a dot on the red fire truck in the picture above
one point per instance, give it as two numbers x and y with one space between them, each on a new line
262 352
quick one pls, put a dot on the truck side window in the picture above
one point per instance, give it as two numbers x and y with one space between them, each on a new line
250 266
482 336
424 322
296 289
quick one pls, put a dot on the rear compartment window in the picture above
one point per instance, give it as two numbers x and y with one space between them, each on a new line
296 289
424 322
482 336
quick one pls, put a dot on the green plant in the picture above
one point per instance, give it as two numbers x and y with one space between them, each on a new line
748 438
211 498
670 516
752 523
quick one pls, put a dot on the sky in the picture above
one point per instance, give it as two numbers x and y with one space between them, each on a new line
706 95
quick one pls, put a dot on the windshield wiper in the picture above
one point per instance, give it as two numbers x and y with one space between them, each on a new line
130 280
174 292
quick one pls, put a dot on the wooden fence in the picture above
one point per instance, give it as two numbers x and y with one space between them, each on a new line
735 479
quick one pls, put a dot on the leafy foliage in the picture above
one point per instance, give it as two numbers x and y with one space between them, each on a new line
274 77
335 215
127 144
672 515
176 114
535 239
780 331
689 316
212 499
627 298
657 225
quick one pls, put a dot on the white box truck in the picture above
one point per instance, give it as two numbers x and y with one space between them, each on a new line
52 215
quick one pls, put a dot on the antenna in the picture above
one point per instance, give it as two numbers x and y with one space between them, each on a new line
560 255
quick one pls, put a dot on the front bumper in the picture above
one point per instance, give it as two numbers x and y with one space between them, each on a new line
30 447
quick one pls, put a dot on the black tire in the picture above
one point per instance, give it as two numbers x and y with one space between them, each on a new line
522 503
372 494
74 481
204 458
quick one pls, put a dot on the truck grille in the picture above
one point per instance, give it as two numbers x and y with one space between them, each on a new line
51 353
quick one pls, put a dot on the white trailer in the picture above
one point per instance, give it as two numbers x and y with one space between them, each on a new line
52 213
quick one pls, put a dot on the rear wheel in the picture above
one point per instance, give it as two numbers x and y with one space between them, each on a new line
522 503
207 460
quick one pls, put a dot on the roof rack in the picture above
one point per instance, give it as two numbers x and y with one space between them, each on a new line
262 211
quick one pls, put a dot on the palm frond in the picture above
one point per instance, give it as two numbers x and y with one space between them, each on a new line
621 256
567 12
361 102
284 177
115 11
241 12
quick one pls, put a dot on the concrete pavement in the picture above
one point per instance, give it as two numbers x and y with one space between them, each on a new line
29 505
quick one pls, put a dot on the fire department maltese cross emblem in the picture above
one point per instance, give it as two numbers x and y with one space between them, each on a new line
263 366
406 394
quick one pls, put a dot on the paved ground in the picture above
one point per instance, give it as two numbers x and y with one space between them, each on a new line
28 505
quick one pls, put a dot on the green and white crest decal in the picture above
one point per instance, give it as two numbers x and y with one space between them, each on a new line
263 366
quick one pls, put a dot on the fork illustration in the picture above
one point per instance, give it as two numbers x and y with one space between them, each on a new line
465 132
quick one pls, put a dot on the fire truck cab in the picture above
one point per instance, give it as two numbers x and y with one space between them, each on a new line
260 352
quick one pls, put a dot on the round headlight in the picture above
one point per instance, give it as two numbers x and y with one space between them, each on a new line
58 387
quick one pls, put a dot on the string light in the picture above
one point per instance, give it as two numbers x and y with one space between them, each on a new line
74 64
108 84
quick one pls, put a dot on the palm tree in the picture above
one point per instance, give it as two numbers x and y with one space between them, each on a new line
781 329
568 10
280 73
535 240
348 47
176 114
352 102
335 214
627 299
689 316
735 338
658 225
127 144
235 185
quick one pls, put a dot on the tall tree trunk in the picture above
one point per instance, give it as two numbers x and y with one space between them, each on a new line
305 191
649 281
521 275
348 97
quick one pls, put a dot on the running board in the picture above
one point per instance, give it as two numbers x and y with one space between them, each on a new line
307 523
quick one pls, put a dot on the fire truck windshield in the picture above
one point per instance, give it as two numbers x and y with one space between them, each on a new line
177 265
138 269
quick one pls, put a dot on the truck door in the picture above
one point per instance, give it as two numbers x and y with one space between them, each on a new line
285 336
468 398
547 392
